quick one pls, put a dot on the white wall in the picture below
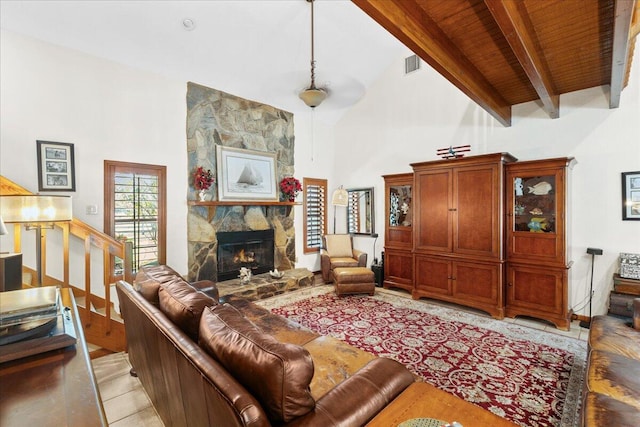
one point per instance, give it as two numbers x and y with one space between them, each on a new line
404 119
115 112
108 111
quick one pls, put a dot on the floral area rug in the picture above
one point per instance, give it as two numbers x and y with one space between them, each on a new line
528 376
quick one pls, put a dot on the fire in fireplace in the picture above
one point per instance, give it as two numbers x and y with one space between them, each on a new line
250 249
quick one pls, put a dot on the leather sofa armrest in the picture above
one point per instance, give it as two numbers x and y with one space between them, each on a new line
325 265
208 287
358 399
636 314
361 257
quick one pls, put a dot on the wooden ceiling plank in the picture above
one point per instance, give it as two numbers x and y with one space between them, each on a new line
512 21
418 35
621 43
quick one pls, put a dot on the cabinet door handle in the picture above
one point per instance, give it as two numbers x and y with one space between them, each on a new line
510 284
452 209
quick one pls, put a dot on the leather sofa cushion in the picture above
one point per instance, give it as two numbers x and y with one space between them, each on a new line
183 305
343 263
602 410
148 281
208 287
614 335
339 245
277 374
615 376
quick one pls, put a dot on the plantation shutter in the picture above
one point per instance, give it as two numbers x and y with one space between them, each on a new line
315 213
135 211
354 212
136 215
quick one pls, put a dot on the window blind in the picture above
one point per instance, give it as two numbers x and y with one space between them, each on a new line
315 213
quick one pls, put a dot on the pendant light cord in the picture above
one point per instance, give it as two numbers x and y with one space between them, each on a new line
313 60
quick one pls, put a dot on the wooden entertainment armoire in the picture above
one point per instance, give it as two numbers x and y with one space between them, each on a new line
487 232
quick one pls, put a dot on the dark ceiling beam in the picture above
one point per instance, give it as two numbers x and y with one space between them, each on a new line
621 42
409 24
517 29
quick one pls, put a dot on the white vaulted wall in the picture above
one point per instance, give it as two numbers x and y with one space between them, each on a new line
404 119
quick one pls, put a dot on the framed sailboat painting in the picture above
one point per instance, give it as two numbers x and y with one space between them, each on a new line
246 174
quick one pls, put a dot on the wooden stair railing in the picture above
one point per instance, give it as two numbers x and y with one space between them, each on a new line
99 328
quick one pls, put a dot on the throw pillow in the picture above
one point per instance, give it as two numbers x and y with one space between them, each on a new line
277 374
339 245
183 305
147 281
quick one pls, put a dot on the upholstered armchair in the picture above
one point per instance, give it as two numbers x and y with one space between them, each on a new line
337 251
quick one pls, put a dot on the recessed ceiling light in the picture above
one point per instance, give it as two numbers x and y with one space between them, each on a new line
189 24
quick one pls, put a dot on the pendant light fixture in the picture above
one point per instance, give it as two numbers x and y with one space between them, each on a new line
312 96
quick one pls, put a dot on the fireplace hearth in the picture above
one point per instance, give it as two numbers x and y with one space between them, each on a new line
250 249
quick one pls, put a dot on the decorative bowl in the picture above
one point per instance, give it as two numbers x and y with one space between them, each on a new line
276 274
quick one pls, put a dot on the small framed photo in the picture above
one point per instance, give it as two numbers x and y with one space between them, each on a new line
56 166
631 196
246 174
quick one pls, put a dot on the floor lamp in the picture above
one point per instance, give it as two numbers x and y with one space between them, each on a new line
593 252
340 198
36 212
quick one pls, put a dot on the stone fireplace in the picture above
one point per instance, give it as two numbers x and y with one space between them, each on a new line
251 249
218 118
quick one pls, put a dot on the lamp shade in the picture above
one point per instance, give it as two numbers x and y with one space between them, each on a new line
34 209
313 96
340 197
3 229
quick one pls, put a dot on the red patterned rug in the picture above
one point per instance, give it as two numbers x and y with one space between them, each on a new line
527 382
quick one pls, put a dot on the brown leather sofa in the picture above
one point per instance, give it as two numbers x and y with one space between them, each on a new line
210 362
612 383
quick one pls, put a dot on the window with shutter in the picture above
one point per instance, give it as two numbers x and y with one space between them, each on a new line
135 211
315 213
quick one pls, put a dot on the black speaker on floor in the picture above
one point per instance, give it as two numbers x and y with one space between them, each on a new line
378 272
10 272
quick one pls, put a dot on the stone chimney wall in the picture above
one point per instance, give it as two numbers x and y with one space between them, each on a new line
218 118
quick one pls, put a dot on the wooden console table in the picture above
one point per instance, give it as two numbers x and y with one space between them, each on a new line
56 388
422 400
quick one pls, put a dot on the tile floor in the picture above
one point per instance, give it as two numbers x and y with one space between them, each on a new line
125 401
127 404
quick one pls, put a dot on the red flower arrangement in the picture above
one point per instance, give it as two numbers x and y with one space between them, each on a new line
202 179
290 187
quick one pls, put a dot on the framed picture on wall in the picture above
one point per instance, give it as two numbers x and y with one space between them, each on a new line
631 196
56 166
246 174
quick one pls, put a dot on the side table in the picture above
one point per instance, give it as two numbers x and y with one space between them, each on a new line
56 388
422 400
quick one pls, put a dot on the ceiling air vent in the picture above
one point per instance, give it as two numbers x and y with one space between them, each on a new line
411 64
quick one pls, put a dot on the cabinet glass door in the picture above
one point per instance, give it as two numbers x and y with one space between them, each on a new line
400 206
534 204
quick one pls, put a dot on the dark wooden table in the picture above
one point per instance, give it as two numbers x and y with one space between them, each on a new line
56 388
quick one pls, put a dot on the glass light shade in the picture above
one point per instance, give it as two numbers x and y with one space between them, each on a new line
313 96
35 209
340 197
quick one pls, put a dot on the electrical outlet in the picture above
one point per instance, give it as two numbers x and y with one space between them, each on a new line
92 209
